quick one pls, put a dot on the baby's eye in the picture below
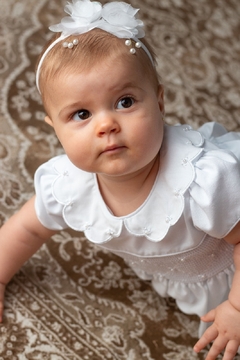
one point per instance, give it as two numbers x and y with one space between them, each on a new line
125 103
82 114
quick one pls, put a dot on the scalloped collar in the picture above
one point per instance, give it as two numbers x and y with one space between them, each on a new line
85 210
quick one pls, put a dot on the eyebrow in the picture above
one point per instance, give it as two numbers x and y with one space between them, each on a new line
124 86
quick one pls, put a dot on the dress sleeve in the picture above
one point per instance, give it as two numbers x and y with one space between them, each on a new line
215 193
48 210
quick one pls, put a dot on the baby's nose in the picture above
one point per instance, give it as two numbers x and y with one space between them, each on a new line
107 124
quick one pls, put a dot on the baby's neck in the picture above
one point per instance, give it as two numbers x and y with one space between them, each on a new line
125 196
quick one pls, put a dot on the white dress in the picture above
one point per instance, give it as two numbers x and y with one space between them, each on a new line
175 238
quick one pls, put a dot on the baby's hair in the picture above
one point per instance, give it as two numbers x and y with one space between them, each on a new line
93 47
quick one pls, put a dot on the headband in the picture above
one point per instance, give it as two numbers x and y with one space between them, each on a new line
117 18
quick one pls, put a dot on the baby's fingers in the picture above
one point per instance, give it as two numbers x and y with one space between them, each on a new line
219 344
210 334
209 317
231 350
217 347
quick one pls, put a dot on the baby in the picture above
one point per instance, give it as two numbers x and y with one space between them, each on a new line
164 198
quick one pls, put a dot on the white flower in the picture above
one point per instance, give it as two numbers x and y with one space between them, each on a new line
117 18
84 16
120 20
84 11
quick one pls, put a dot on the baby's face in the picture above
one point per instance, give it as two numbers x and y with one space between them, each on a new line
108 119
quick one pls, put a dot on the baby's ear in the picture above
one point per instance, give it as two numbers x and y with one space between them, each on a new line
48 120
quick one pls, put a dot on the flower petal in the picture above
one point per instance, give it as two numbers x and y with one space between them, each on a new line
118 18
118 31
119 14
121 6
86 10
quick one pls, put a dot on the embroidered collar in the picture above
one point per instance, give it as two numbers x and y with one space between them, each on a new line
85 210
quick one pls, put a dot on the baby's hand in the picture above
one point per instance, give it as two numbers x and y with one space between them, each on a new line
2 291
224 332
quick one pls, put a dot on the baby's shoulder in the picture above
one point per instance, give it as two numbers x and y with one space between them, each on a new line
210 144
61 178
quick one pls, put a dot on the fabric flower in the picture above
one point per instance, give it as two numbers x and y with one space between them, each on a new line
84 11
84 16
117 18
120 20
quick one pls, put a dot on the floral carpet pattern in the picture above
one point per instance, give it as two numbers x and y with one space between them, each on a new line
73 301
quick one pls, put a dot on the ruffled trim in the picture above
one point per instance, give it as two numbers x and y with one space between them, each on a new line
84 209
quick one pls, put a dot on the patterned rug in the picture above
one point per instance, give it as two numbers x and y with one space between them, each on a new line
72 301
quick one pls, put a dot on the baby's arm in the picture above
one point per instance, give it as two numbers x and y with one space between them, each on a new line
20 237
225 330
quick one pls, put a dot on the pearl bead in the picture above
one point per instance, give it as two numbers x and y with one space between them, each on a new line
110 232
65 44
132 51
146 231
138 44
128 42
75 41
184 161
70 45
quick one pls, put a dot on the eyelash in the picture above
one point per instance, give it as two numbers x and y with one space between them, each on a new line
127 97
85 110
81 111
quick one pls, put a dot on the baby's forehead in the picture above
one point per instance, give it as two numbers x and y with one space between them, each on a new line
115 77
84 63
95 48
119 71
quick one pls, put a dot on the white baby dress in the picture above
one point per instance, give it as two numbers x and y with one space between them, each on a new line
175 238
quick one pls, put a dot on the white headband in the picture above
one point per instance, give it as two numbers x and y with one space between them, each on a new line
117 18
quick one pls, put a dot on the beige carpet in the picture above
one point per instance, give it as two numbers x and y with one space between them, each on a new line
71 300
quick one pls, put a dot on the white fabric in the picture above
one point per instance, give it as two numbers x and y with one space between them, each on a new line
117 18
175 237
